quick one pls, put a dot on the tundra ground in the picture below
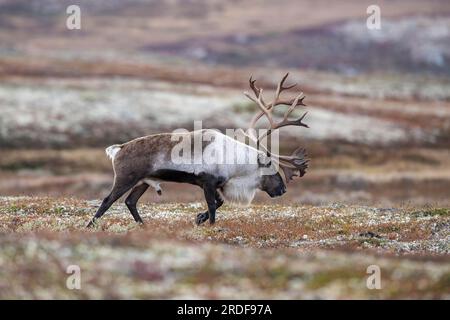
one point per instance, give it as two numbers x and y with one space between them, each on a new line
379 112
264 251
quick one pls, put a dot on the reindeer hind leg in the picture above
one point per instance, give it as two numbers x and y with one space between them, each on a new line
133 198
120 187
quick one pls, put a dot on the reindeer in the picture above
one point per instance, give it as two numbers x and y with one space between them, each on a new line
147 161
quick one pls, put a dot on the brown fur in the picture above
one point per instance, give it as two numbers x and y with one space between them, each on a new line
137 156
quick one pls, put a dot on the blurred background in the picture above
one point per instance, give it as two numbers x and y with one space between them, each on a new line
378 100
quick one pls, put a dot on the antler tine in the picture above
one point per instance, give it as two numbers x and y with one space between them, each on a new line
253 86
294 160
258 94
296 163
261 104
294 104
256 91
289 102
281 88
298 123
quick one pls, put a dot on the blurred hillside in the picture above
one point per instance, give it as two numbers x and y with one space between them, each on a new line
319 35
378 101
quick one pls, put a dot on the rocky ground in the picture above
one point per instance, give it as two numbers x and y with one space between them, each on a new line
257 252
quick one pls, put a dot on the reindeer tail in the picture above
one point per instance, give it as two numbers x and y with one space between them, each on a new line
111 151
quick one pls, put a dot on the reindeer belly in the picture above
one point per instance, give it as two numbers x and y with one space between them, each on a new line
176 176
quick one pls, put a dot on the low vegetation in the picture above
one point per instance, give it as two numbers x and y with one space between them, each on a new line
376 192
265 251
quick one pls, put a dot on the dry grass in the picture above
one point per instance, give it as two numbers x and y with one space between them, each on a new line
393 230
258 252
378 139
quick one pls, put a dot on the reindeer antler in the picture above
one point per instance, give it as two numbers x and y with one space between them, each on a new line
267 109
296 164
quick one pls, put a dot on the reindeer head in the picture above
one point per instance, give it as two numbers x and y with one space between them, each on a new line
287 166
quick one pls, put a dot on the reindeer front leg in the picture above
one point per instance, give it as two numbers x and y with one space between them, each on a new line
202 217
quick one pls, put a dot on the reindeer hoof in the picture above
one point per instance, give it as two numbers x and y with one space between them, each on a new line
201 217
90 224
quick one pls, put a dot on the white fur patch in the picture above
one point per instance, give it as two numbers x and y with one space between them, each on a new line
111 151
239 190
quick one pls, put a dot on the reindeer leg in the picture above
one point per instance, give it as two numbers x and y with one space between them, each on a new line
132 200
210 192
202 217
119 189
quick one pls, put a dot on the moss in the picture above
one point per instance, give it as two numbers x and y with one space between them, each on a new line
58 210
324 278
13 208
373 241
280 277
442 212
247 107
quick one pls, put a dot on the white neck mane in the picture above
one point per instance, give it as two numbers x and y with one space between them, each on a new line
240 190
